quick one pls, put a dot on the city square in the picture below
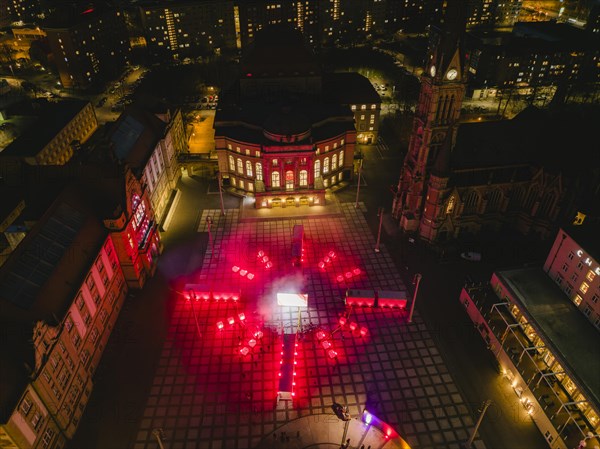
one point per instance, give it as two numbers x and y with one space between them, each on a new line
205 393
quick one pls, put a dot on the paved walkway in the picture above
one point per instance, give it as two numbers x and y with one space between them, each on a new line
205 394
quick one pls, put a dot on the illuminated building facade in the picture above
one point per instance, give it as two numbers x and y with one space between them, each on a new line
149 146
530 320
188 29
532 55
278 135
88 45
56 134
492 13
62 289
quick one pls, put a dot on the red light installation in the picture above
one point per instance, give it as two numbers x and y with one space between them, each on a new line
220 325
252 342
332 354
321 335
326 344
340 278
264 259
363 331
235 268
353 326
287 364
244 351
343 321
326 260
87 11
230 320
258 334
241 316
242 272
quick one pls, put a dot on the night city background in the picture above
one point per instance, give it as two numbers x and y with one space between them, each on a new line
355 224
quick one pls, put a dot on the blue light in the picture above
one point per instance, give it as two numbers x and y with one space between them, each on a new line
368 417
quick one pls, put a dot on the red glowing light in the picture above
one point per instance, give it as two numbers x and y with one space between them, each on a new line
242 316
326 344
343 321
320 335
331 254
321 265
220 325
265 259
235 268
261 253
244 351
269 265
87 11
230 320
243 272
340 278
327 260
353 326
258 335
348 274
248 75
252 342
356 271
332 354
250 276
363 331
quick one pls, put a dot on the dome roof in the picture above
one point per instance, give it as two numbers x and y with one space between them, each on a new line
287 125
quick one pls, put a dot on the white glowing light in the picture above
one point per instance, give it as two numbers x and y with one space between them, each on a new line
292 299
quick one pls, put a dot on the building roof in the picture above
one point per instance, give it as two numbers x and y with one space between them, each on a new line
573 338
38 283
279 50
135 135
51 119
534 137
349 88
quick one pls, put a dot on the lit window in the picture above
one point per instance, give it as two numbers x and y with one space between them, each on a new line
317 168
240 166
363 107
584 287
275 180
373 106
303 178
334 162
353 107
231 163
275 162
248 168
326 165
259 173
590 276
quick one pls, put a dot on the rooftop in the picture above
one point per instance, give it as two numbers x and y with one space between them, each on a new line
349 88
586 235
51 119
38 282
566 329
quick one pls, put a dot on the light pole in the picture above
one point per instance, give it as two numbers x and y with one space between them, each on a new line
485 406
358 186
380 214
589 436
220 181
209 221
159 435
416 281
192 299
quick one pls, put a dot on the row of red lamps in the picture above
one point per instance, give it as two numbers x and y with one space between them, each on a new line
264 259
326 261
348 275
242 272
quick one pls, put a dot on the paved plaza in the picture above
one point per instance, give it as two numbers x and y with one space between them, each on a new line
206 394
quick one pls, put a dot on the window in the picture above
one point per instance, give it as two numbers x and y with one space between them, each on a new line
558 279
317 168
334 162
47 438
450 205
353 107
259 173
574 277
341 159
69 324
275 180
76 339
36 420
240 166
577 300
587 311
565 267
590 276
249 168
571 255
250 187
303 178
584 287
568 289
26 406
580 265
595 298
373 106
289 180
103 316
90 282
85 357
363 107
275 162
94 335
80 302
362 117
326 165
231 163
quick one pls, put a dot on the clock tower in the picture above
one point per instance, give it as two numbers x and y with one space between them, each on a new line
436 116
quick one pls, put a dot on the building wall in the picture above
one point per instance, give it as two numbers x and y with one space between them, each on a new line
366 118
92 50
577 274
60 149
67 356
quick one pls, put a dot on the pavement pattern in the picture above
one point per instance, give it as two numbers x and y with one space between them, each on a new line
206 394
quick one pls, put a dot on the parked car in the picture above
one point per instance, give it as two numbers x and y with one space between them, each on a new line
473 256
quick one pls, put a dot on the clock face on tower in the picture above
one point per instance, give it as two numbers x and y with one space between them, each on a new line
452 74
432 70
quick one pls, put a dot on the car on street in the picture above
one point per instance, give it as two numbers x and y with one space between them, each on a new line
473 256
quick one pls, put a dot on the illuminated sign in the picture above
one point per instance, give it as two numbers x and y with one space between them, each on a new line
588 261
292 299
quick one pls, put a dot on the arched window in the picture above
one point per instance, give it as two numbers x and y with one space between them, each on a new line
303 178
249 169
326 165
259 171
275 183
471 203
317 168
289 180
334 162
493 202
231 163
341 159
240 166
138 211
450 205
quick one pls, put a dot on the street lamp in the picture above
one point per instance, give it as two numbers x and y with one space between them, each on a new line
358 186
416 281
589 436
485 406
209 221
380 215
